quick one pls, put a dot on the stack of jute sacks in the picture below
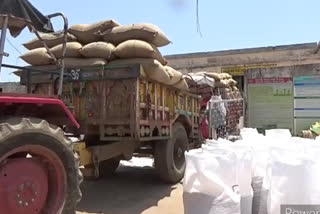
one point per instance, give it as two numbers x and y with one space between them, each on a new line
107 43
224 81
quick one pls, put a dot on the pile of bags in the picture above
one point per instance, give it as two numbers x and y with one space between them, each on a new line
107 42
223 81
254 175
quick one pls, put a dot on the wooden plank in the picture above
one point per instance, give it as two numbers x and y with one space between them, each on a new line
163 102
103 138
147 100
115 122
155 102
102 91
137 110
154 123
44 78
154 138
101 73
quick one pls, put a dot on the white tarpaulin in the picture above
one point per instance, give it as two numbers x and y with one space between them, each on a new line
201 79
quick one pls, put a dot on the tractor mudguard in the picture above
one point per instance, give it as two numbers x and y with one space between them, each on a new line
52 110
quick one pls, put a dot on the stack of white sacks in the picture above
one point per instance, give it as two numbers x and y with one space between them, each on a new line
107 43
253 175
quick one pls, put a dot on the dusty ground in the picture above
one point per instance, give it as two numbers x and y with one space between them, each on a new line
134 189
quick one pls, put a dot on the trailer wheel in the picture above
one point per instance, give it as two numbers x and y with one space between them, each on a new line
38 170
169 156
108 167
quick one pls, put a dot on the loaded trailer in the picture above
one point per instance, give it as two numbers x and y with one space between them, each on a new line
121 112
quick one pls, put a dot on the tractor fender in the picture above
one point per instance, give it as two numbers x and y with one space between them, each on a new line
52 110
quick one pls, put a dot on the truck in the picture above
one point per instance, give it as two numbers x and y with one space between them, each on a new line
122 113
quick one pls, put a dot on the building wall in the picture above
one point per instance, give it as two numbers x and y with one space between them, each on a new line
213 61
279 72
277 61
12 88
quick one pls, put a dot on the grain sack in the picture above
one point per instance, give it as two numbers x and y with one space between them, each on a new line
72 50
182 85
81 62
86 33
225 76
102 50
215 76
51 39
210 184
146 32
293 178
152 69
138 49
38 56
234 88
175 76
156 71
221 84
231 82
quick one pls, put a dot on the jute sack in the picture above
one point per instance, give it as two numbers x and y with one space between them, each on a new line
51 39
82 62
72 50
152 69
215 76
156 71
234 88
182 85
146 32
38 56
221 84
225 76
231 82
138 49
102 50
175 76
86 33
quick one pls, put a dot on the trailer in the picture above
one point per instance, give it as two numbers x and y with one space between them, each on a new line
122 113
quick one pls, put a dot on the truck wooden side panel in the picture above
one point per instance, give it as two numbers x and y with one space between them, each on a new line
117 104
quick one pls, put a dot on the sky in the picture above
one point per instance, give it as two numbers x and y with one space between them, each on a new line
225 24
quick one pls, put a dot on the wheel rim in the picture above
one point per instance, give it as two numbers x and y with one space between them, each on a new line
32 184
178 154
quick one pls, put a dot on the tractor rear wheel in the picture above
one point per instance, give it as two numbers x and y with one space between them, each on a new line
38 169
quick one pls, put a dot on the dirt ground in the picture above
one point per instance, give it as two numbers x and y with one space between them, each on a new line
134 189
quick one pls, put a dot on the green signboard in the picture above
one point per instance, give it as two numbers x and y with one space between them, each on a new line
270 103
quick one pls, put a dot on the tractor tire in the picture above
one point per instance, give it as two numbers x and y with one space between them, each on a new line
169 156
39 171
107 168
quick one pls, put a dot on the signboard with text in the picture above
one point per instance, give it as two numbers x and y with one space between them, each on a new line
240 69
270 103
306 102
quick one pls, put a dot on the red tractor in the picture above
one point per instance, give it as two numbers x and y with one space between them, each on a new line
38 169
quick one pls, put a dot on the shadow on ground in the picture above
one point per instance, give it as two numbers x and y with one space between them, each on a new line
131 191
